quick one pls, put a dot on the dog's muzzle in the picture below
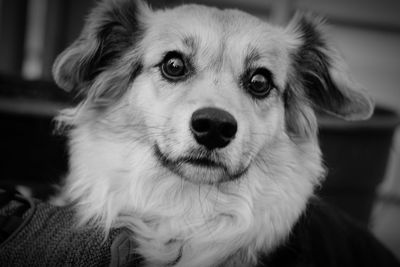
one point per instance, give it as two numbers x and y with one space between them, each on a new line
213 127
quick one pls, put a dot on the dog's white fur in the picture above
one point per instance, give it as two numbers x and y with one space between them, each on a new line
115 178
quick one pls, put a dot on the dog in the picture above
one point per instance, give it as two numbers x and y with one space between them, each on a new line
197 127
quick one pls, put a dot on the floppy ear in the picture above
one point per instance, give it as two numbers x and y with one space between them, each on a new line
111 28
322 75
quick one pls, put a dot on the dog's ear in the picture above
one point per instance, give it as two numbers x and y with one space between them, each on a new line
111 28
321 73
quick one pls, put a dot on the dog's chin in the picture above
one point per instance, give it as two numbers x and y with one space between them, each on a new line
199 170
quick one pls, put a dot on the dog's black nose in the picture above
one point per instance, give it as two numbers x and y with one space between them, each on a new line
213 127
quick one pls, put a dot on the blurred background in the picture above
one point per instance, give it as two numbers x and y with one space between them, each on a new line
362 159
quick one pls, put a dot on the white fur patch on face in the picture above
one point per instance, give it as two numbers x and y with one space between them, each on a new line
219 53
136 163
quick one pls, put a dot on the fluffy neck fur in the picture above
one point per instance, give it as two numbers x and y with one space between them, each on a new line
119 184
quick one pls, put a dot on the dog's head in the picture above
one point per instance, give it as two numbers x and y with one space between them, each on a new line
204 96
209 88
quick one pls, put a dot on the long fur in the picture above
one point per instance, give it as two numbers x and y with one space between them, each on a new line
116 179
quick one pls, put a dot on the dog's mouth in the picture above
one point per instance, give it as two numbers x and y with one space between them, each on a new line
199 167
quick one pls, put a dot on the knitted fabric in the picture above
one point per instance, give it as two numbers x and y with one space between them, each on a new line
47 237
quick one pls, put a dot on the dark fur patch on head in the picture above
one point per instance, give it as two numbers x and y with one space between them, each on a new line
308 81
111 30
312 63
318 78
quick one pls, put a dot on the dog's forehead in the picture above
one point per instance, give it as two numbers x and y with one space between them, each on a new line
214 34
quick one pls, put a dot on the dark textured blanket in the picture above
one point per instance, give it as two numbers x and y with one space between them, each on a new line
34 233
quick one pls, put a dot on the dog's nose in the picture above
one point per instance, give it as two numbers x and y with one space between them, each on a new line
213 127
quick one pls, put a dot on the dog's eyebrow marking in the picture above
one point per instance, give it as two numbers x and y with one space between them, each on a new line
191 43
252 56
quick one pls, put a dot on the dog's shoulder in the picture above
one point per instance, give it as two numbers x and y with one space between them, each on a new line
325 236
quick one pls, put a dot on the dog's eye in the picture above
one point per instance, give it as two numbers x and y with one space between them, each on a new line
260 83
173 67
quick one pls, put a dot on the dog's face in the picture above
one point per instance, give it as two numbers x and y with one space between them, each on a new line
206 97
210 91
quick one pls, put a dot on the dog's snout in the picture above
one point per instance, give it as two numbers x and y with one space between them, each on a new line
213 127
